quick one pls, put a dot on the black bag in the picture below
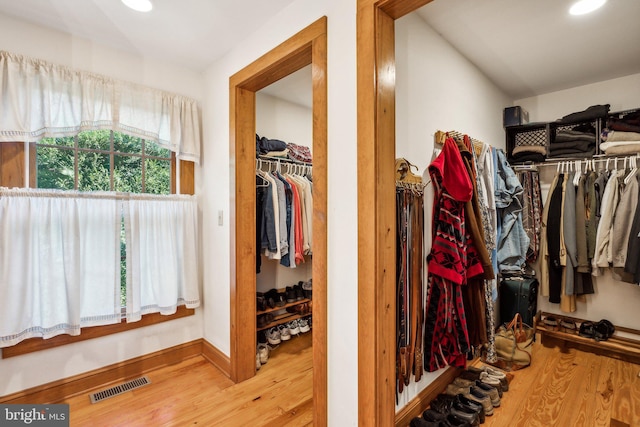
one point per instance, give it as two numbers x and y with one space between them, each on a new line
518 295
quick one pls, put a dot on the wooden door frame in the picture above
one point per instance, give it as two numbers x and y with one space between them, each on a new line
308 47
376 207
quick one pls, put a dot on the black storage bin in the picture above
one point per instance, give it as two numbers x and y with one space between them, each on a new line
533 134
558 128
515 116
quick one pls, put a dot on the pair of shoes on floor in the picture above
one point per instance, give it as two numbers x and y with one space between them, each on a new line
472 393
448 411
600 331
445 404
494 391
471 377
492 373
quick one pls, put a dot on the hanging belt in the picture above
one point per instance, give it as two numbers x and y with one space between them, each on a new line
402 210
417 310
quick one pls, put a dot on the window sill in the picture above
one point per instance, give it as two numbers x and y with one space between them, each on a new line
37 344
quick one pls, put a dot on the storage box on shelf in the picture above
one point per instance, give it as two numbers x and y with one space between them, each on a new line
532 134
579 126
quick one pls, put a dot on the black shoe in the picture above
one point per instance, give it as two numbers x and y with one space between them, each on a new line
261 303
587 330
419 422
603 330
465 413
297 289
476 406
442 403
307 289
291 294
455 421
271 297
433 416
262 338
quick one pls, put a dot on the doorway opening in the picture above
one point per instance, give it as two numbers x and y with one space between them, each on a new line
308 47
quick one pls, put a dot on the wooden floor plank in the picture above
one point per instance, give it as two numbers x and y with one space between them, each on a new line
194 392
562 387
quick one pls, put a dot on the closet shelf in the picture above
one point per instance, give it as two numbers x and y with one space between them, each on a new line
627 349
283 318
290 304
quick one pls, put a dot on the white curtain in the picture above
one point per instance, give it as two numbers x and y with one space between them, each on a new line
162 254
59 263
39 99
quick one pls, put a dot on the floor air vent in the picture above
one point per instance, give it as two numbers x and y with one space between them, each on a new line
119 389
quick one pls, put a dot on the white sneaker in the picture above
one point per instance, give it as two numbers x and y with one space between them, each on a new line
285 335
294 329
273 336
263 353
258 364
304 326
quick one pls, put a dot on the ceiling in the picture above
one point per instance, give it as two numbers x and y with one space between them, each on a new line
525 47
193 33
529 48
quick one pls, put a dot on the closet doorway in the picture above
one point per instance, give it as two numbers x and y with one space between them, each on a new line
308 47
376 207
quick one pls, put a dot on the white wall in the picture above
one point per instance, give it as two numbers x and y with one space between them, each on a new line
288 122
284 120
438 89
613 300
622 93
22 372
342 274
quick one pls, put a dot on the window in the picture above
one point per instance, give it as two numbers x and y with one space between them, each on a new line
103 160
119 155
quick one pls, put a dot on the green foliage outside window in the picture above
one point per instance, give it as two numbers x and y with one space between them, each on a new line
103 160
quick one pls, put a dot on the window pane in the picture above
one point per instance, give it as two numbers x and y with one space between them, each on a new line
66 141
95 139
93 172
55 168
126 144
127 174
157 176
153 149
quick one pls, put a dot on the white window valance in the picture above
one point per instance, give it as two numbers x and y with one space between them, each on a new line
39 99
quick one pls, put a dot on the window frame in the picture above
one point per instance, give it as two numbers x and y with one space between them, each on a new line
12 173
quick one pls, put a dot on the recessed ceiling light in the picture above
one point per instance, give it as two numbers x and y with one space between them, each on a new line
586 6
139 5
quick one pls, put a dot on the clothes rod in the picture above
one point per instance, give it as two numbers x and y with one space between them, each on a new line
595 158
282 160
441 136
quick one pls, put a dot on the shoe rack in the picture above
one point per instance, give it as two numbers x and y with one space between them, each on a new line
280 314
624 344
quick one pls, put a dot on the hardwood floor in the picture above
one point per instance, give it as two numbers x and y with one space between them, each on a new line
571 388
561 388
195 392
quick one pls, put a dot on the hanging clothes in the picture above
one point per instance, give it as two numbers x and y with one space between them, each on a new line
284 208
451 262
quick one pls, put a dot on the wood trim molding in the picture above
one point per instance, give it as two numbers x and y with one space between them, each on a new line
37 344
376 207
57 391
309 46
416 406
216 357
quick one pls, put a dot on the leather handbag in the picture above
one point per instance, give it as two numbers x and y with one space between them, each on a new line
514 344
